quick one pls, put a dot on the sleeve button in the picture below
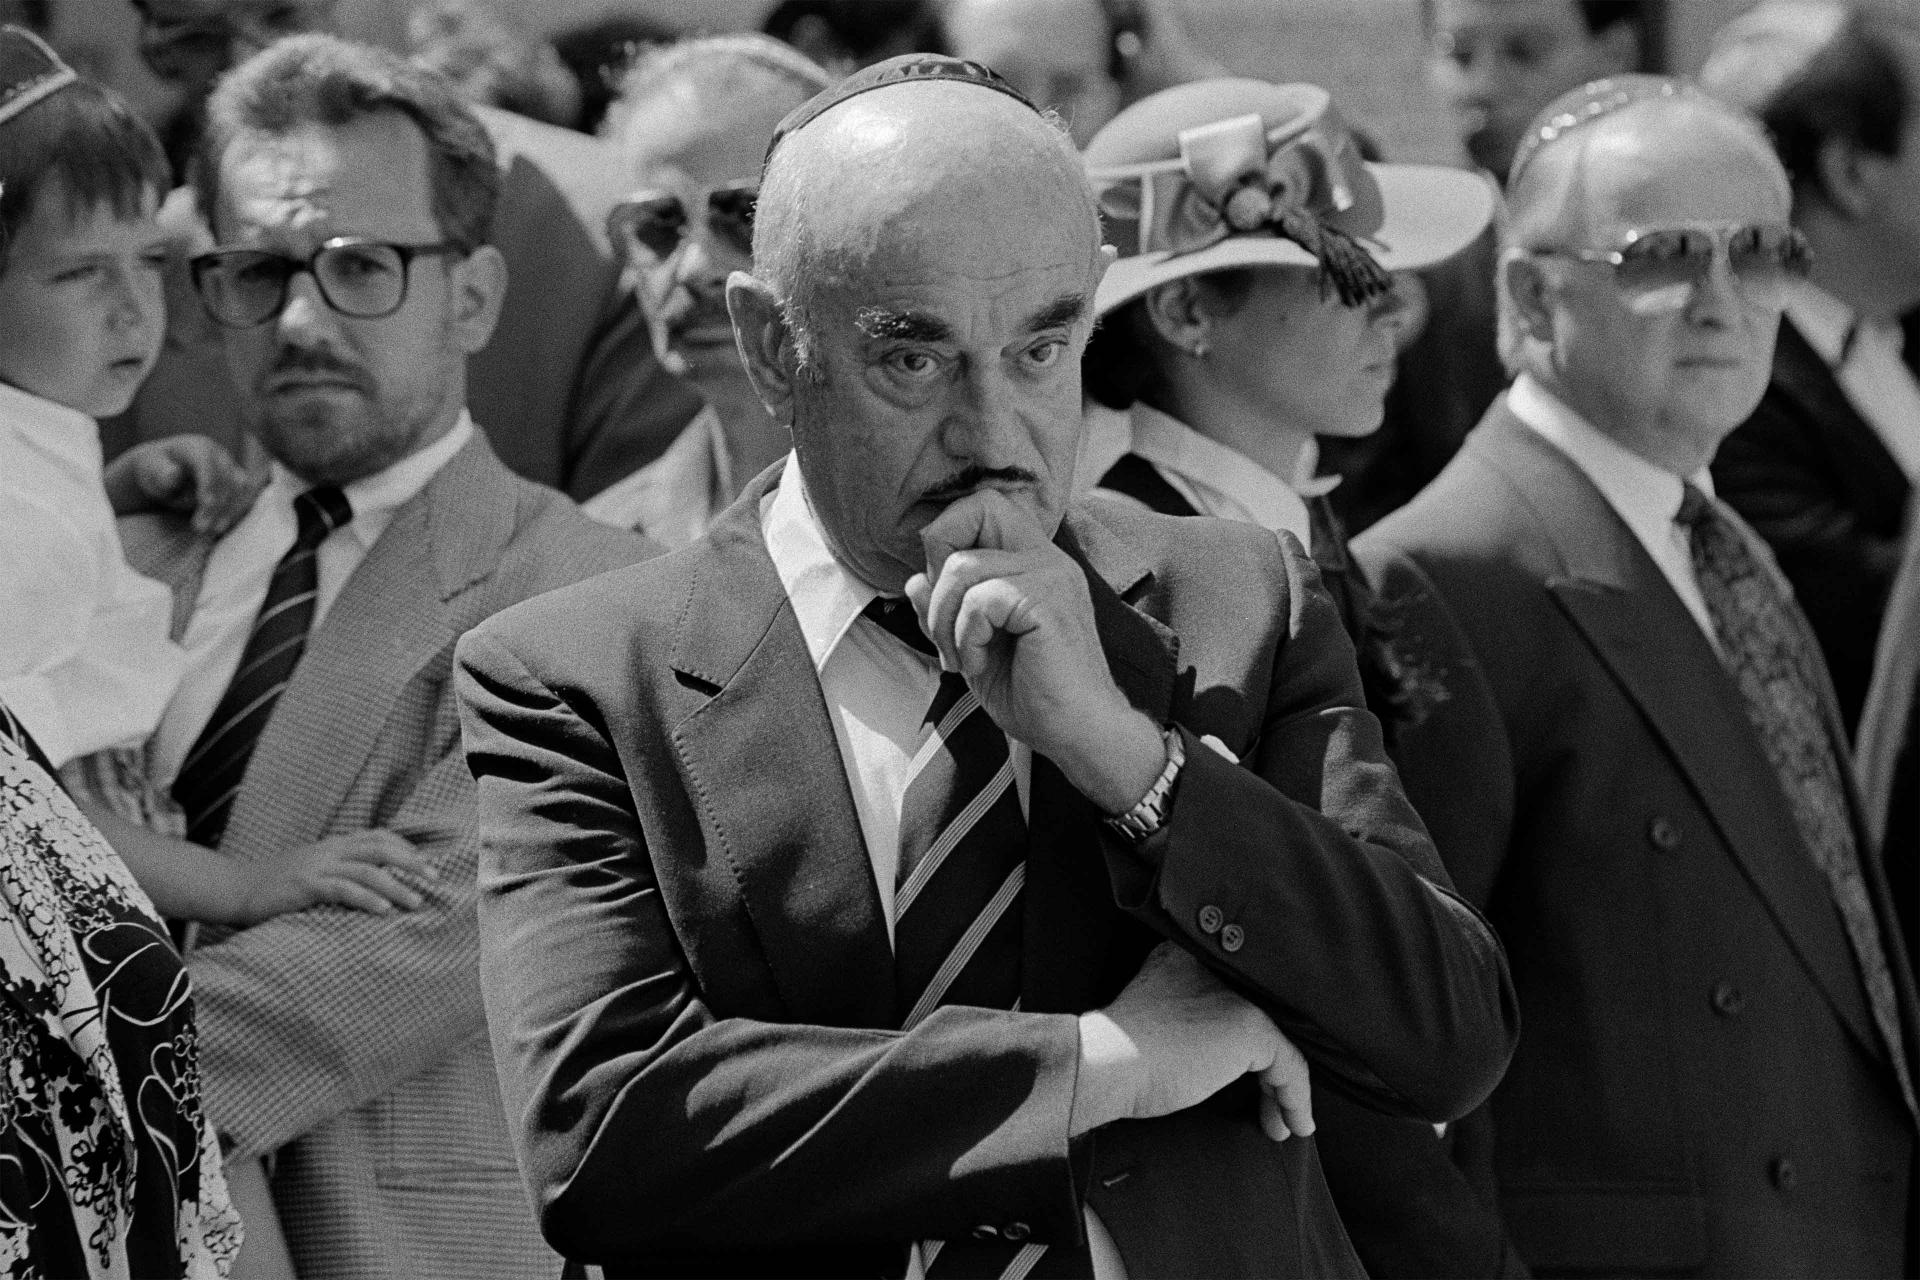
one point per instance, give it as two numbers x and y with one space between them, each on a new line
1664 833
1016 1232
1211 918
1232 937
1728 1000
1783 1173
986 1231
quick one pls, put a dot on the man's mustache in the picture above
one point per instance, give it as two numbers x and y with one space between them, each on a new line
977 477
309 360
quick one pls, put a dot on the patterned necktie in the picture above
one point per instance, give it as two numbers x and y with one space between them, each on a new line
210 776
956 904
1765 647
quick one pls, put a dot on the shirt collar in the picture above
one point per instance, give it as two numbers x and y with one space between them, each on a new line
1822 319
1274 503
826 597
67 435
375 498
1646 496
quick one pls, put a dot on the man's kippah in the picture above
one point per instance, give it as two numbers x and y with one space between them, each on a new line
29 71
908 68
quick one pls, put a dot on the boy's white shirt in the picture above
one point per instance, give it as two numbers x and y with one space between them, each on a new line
85 659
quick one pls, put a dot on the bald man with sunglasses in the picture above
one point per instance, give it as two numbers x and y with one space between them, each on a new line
694 120
1639 771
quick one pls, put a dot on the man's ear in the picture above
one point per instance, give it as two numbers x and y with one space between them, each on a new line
1846 177
479 283
1528 288
768 346
1176 314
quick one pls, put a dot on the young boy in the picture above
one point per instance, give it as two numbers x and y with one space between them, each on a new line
86 662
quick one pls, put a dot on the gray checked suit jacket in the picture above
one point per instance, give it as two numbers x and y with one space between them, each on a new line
353 1044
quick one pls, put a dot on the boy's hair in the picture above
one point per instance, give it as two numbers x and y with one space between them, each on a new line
88 138
323 80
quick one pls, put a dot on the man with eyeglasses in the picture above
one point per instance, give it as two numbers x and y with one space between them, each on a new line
567 390
351 193
694 119
1640 771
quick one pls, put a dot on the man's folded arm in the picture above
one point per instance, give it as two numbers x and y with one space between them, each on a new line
623 1087
310 1014
1304 875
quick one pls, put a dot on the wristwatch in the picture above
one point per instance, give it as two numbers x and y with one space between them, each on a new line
1150 813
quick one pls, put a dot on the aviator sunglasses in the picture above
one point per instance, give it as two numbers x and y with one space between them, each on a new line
1659 268
657 222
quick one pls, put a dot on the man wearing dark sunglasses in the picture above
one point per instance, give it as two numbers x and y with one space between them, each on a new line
1640 772
694 122
351 194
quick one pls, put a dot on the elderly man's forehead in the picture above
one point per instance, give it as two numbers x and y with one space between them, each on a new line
1653 151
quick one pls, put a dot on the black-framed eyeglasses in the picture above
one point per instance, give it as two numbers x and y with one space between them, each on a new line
656 222
365 279
1661 266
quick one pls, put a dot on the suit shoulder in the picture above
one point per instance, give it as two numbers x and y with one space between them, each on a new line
608 605
1182 545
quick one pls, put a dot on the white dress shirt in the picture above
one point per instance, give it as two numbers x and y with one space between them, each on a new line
1865 357
877 691
1221 481
675 497
85 661
1646 496
240 569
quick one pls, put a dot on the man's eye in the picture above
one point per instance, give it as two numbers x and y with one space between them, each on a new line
1044 355
1528 50
74 275
915 364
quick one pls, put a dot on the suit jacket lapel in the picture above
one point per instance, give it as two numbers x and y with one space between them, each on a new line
390 619
1623 605
766 772
1067 930
1849 441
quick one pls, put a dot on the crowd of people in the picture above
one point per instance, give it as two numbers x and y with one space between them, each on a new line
963 645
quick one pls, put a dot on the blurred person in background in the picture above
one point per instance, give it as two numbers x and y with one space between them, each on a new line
1494 64
692 124
598 54
1085 59
496 59
1640 772
1824 468
568 388
845 35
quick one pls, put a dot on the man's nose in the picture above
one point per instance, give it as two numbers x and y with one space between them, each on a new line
986 426
1717 297
306 314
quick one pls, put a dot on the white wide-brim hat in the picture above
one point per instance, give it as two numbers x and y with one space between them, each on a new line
1238 173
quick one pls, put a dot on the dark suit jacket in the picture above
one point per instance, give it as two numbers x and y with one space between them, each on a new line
689 980
568 390
1814 479
1700 1087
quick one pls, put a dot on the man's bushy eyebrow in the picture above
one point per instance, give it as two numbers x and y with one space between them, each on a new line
906 326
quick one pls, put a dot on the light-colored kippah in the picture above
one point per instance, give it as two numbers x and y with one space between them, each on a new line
29 71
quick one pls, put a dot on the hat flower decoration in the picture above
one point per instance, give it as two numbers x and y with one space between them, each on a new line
1232 172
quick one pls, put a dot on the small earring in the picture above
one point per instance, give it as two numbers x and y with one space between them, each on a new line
1201 350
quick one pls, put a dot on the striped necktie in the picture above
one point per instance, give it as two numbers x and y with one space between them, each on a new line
956 906
210 776
1765 648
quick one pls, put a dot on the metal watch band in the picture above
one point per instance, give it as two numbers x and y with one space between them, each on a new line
1147 816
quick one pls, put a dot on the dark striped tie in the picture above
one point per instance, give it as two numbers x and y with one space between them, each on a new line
1764 646
210 776
956 905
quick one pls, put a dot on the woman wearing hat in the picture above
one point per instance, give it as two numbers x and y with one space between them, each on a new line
1254 308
